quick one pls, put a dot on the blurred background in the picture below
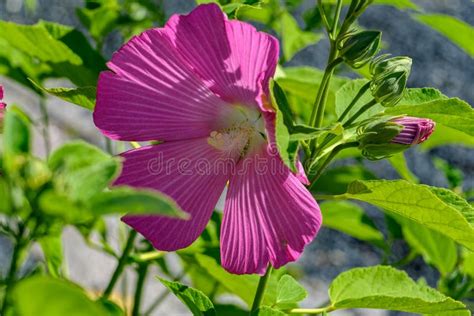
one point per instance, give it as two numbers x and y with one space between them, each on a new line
437 62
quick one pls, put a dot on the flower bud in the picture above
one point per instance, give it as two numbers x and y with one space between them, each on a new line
2 108
386 136
389 79
415 130
357 49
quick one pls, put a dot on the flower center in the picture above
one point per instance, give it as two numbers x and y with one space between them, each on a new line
245 128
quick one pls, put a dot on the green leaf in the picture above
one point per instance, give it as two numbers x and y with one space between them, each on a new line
435 248
37 41
198 303
16 132
134 201
399 163
383 287
351 219
293 38
336 180
244 286
42 296
82 96
16 139
83 170
467 266
53 253
444 135
267 311
289 292
101 20
453 113
459 32
304 81
438 209
415 96
60 206
283 126
262 14
63 49
346 94
5 197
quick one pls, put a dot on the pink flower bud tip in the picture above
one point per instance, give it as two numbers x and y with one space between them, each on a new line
415 130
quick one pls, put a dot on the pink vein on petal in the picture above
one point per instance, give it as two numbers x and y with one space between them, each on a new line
191 172
269 216
153 95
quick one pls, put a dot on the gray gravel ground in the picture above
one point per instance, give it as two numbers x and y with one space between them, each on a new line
436 62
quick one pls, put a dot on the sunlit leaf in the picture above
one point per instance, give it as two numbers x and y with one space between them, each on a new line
283 125
42 296
453 113
82 96
198 303
289 292
438 209
134 201
53 253
383 287
83 170
435 248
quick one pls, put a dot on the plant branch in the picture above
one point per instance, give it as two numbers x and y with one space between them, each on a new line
142 271
336 19
262 284
11 277
354 101
121 263
364 108
323 16
328 160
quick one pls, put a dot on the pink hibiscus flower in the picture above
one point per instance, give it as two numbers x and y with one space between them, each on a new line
200 85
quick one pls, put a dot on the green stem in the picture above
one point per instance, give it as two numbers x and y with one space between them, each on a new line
45 129
323 16
121 264
330 157
142 271
262 284
317 113
354 101
364 108
11 277
336 19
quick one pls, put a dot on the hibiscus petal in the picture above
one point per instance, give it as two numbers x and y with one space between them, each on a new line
232 57
191 172
153 95
269 216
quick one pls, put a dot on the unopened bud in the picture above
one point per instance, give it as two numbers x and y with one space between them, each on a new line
389 79
415 130
386 136
357 49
